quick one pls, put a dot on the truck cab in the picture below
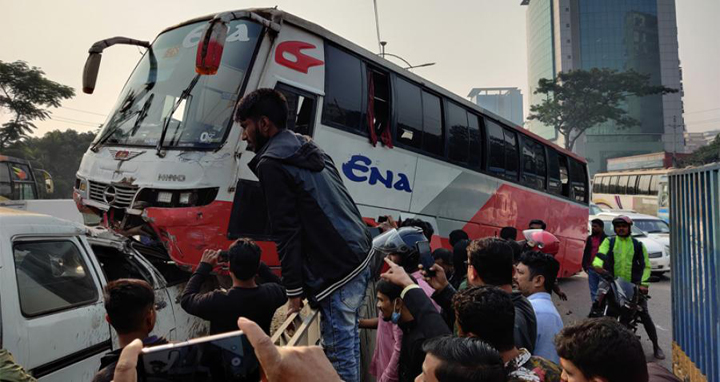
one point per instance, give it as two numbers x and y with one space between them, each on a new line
52 274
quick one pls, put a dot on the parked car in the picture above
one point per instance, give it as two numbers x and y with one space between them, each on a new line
657 252
52 274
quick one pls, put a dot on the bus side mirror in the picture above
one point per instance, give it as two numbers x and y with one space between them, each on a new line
49 186
210 48
90 73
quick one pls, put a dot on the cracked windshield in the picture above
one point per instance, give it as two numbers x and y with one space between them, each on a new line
164 73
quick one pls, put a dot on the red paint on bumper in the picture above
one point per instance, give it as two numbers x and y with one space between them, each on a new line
187 232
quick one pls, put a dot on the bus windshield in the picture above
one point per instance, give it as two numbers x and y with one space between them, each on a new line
164 72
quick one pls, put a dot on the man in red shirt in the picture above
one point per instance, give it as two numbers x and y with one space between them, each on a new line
591 249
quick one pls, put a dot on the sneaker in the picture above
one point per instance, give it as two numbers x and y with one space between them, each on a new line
658 353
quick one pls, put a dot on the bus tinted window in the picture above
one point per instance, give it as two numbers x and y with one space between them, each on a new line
301 109
554 185
643 185
511 155
605 186
622 184
533 163
654 185
613 185
408 103
5 187
476 147
457 125
433 141
632 185
344 89
496 148
578 179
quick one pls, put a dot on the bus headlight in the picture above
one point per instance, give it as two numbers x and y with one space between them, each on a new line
164 197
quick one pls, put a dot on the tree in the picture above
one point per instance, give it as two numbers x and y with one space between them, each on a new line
580 99
704 155
27 94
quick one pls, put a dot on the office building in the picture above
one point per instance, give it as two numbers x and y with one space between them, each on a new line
505 102
694 141
623 35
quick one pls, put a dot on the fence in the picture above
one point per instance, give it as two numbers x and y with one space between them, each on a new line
695 264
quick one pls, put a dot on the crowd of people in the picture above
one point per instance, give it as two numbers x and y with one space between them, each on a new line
482 312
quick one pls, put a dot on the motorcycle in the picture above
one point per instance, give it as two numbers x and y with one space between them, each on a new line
620 300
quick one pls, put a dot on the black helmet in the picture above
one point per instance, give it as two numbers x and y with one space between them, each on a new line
622 219
402 241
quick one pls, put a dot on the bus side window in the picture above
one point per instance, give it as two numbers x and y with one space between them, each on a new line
564 175
578 179
496 148
533 163
379 92
476 146
622 184
433 135
643 185
554 185
301 109
605 185
408 109
457 132
511 155
344 90
5 186
654 185
613 185
632 185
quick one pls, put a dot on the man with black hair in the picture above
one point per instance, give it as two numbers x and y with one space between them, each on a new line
426 227
413 311
488 313
535 277
592 245
130 310
601 350
322 241
537 224
490 263
444 258
455 359
509 234
245 299
456 236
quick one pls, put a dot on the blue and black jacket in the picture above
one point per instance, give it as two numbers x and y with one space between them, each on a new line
322 240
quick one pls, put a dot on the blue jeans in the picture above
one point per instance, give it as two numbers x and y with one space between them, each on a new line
339 319
593 281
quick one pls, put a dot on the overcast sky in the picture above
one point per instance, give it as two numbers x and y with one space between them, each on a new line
474 43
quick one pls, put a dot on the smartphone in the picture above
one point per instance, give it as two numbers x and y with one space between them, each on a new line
382 219
223 256
227 356
426 258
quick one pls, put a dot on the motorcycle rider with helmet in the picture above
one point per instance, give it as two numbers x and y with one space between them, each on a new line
625 257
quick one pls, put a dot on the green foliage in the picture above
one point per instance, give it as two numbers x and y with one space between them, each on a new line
580 99
26 93
704 155
57 152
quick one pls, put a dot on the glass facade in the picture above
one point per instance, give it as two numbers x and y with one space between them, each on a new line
541 62
623 35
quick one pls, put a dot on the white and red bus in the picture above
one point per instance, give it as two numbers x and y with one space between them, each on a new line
170 164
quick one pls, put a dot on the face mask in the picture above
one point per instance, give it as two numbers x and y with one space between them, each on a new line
395 316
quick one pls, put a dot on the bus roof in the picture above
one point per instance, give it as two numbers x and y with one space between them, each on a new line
279 17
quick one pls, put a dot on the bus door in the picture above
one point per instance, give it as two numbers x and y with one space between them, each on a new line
249 212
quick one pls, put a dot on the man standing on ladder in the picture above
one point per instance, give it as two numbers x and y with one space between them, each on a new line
322 240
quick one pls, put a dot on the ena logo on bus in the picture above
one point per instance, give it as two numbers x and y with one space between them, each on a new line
358 169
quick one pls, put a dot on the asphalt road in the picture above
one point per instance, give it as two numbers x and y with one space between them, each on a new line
577 307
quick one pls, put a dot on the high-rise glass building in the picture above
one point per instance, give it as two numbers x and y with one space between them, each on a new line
641 35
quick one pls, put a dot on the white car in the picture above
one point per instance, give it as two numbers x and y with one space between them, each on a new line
658 252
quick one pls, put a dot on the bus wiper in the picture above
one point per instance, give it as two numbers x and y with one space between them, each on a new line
166 122
149 85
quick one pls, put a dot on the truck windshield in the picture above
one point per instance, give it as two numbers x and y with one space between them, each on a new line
157 82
